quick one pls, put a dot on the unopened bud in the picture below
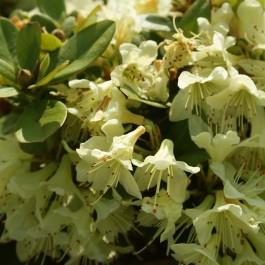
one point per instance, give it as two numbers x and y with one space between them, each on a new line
25 78
59 34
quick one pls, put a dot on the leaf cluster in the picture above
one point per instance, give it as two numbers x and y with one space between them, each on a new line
41 51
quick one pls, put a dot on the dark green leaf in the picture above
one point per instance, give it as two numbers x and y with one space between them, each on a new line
53 8
28 46
34 148
68 26
188 23
4 51
133 96
195 157
84 47
157 23
44 21
9 122
10 34
40 120
7 40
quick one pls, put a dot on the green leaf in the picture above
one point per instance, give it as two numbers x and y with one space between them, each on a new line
34 148
28 46
133 96
9 122
194 157
7 70
38 148
44 65
84 47
6 92
44 21
7 40
40 120
157 23
50 76
49 42
188 23
10 34
68 26
4 51
53 8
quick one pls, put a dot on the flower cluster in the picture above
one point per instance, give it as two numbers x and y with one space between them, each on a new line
159 124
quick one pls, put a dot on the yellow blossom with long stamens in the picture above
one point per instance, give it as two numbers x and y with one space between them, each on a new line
164 167
105 169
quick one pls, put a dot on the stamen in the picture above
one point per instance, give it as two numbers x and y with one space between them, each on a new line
104 103
157 189
238 175
150 165
152 173
116 174
95 166
169 176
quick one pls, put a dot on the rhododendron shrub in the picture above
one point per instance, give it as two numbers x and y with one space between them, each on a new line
134 119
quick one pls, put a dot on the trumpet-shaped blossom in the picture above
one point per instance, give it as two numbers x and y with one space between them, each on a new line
117 222
32 219
96 104
89 235
25 185
251 151
143 55
34 246
84 99
229 222
216 54
35 222
85 96
140 72
220 20
164 167
239 100
196 254
105 164
194 90
243 184
166 212
218 146
112 107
